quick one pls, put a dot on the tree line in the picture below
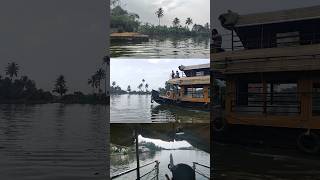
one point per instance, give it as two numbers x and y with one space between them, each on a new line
125 21
143 88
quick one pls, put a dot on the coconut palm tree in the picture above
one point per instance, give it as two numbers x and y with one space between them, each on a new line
140 87
129 89
12 69
176 22
92 82
100 75
159 14
189 22
146 87
106 62
60 86
113 83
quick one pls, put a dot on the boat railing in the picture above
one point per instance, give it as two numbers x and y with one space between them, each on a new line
232 42
267 103
155 170
197 170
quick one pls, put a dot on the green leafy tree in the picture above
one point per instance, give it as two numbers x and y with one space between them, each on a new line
146 87
60 86
160 14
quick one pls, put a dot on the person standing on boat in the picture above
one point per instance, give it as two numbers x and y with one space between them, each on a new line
172 74
217 41
177 74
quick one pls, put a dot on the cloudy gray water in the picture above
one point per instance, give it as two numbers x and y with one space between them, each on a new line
53 141
120 163
139 109
198 47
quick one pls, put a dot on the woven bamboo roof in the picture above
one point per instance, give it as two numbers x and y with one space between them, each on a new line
297 14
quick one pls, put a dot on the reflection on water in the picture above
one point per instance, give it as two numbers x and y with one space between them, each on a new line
139 109
241 162
52 141
122 162
197 47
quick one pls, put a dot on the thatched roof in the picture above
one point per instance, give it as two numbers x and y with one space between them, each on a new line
279 16
190 80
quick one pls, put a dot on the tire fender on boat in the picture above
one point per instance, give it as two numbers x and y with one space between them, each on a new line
308 142
219 124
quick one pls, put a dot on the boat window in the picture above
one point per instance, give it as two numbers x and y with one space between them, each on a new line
277 99
200 73
194 92
316 99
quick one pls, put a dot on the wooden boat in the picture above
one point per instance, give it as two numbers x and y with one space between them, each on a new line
128 36
191 90
272 74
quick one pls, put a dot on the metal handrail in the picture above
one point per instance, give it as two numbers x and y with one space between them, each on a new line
133 169
198 172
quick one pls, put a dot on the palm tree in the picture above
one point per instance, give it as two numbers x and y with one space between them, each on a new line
189 21
106 62
159 14
12 69
176 22
113 83
146 86
100 75
140 87
60 86
92 82
129 89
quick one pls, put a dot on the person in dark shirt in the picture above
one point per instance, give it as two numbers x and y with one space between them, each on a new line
217 41
172 74
177 74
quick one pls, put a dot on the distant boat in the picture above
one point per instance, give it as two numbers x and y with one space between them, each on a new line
128 36
191 90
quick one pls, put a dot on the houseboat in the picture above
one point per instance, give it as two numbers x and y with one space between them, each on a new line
190 90
272 74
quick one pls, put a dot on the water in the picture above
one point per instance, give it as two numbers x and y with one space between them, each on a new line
198 47
253 163
120 163
53 141
139 109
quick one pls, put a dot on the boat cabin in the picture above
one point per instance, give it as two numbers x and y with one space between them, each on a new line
272 70
191 89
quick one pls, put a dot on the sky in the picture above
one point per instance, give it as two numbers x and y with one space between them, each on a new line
252 6
155 71
52 37
164 144
198 10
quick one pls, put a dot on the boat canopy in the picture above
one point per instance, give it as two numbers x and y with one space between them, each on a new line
195 80
298 14
194 67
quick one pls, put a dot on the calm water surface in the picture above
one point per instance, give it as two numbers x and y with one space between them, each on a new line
53 141
120 163
198 47
241 162
139 109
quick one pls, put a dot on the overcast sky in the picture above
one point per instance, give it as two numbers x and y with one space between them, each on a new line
198 10
155 71
51 37
253 6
